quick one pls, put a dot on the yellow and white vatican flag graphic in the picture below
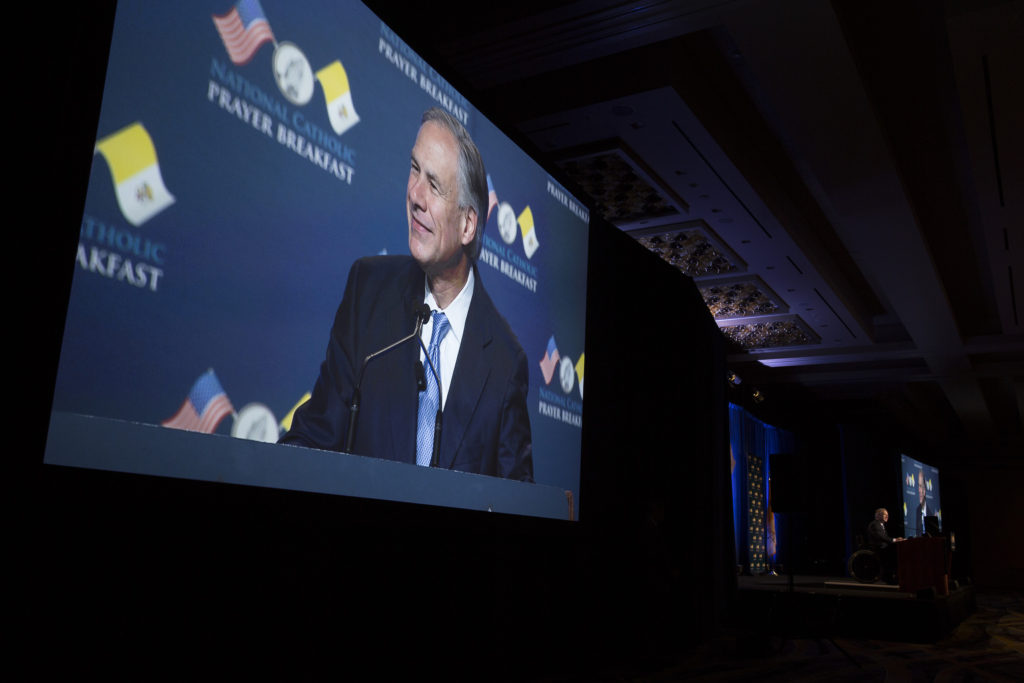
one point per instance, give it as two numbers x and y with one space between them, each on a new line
139 187
340 109
286 423
579 374
530 241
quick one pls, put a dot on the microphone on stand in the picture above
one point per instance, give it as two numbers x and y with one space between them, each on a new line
422 312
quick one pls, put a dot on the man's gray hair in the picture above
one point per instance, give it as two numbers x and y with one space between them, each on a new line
472 178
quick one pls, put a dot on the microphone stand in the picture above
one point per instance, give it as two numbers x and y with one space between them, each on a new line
422 313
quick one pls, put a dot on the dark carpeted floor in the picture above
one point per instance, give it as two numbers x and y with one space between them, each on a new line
987 646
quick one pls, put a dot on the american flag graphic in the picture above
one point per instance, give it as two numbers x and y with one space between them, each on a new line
204 407
244 29
550 360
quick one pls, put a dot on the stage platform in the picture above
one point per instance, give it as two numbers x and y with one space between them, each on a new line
835 606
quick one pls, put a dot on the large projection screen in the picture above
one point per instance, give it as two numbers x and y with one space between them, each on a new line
246 155
919 487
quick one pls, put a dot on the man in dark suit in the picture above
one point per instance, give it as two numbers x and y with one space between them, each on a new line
879 541
878 536
481 366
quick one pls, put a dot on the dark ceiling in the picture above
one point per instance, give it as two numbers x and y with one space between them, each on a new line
842 180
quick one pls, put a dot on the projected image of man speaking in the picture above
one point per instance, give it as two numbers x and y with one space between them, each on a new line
481 379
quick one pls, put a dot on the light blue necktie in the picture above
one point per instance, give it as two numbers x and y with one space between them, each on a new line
430 398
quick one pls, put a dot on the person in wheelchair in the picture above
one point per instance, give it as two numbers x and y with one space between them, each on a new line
878 540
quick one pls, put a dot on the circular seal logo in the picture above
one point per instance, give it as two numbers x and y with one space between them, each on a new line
506 223
293 74
256 423
566 373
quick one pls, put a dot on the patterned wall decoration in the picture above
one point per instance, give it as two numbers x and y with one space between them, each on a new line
755 516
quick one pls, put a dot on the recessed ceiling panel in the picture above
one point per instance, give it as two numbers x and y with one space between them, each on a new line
740 298
693 248
771 334
623 190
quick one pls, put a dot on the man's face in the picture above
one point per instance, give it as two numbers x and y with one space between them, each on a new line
438 229
920 489
884 516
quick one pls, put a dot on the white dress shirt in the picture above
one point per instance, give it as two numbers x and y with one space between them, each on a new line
456 313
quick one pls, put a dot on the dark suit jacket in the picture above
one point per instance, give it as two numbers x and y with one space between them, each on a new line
486 427
877 536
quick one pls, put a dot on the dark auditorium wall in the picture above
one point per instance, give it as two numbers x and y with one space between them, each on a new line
992 529
655 455
872 472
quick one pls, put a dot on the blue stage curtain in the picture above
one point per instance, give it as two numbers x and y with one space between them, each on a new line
751 441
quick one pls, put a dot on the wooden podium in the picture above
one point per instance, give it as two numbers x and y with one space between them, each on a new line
923 563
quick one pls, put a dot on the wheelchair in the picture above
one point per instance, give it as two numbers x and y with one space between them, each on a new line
865 565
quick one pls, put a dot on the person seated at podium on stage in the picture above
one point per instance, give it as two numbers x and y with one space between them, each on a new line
879 541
